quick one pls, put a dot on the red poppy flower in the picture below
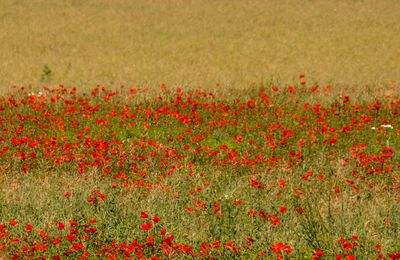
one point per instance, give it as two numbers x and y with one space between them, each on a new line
150 241
70 237
78 247
146 226
56 241
29 228
60 225
319 252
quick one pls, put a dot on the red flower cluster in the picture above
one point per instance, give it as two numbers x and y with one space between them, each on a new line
246 172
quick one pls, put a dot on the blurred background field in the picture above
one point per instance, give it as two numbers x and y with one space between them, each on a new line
198 43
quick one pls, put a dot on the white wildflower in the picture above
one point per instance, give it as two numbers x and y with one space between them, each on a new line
39 94
387 126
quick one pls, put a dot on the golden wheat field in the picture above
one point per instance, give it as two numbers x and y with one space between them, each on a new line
198 43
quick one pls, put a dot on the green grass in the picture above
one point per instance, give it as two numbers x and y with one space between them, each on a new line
204 177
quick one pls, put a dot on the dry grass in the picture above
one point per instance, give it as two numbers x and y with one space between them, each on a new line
198 43
180 175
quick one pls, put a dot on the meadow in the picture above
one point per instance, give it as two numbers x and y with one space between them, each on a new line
270 173
199 129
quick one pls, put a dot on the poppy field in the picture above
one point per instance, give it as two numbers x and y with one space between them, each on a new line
268 172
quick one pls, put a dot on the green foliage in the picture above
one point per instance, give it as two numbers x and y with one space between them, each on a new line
236 178
47 73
